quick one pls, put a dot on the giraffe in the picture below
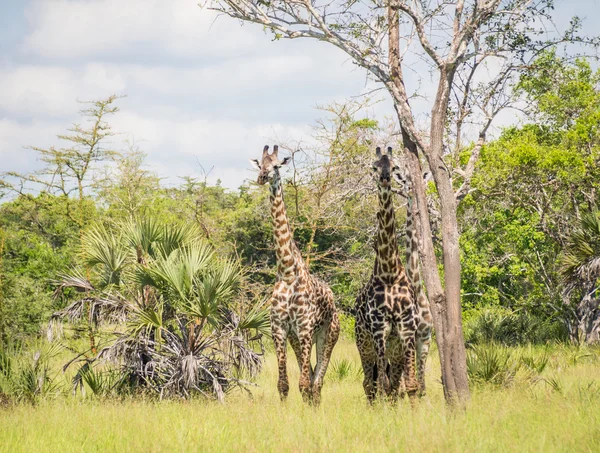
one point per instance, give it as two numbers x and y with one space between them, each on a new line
424 320
302 306
385 312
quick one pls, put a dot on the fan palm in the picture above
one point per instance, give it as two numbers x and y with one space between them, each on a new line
176 301
580 268
581 262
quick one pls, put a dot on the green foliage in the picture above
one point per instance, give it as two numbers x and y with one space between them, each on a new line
342 369
37 242
506 327
531 185
581 260
491 364
27 376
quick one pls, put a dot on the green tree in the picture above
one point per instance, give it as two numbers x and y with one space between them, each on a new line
530 188
581 272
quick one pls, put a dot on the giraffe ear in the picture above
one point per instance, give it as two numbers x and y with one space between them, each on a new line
255 163
285 161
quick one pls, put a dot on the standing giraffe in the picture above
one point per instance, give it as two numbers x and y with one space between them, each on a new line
302 306
424 320
385 312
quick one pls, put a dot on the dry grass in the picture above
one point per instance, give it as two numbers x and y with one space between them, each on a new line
556 413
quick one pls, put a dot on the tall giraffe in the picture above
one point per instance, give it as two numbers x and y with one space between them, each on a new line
424 319
302 306
385 312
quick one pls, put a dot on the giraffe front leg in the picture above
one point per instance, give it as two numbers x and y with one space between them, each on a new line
325 344
305 375
396 360
423 344
409 375
383 382
366 350
279 338
295 343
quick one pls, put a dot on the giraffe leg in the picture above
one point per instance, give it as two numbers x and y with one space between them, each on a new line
295 343
279 338
407 331
409 375
383 382
423 343
325 343
305 350
396 368
366 349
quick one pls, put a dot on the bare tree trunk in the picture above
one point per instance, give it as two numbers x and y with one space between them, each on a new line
455 352
446 309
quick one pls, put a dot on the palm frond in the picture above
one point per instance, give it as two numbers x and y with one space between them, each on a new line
105 249
258 318
581 263
142 236
76 281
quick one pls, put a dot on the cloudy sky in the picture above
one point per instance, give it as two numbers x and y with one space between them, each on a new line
200 90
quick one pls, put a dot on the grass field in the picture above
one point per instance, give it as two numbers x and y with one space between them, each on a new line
557 411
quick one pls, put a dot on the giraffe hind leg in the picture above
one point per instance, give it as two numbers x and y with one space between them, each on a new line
325 343
383 381
395 371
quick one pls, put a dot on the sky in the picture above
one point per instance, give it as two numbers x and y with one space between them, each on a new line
201 91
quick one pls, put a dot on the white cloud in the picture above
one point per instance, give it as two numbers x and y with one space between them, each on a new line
15 136
54 90
198 91
77 29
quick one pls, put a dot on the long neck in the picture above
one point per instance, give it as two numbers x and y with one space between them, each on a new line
285 248
412 252
387 262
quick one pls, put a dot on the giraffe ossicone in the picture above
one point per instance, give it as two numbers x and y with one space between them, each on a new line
302 306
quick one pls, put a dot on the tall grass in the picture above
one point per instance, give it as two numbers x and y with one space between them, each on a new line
523 416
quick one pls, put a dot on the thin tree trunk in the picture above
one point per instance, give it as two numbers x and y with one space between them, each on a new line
455 352
445 302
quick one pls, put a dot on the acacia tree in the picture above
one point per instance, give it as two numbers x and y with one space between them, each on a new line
69 170
460 42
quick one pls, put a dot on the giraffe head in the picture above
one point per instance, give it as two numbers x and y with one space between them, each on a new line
269 164
402 177
384 167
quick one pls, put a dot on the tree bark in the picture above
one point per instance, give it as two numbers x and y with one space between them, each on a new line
446 309
453 335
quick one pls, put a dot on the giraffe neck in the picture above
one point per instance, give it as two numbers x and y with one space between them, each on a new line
387 262
412 252
285 249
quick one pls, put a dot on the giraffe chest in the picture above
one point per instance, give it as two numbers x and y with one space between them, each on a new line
381 304
292 308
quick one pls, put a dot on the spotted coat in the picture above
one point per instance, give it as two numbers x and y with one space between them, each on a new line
302 306
385 310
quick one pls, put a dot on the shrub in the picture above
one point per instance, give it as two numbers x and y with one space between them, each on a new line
499 325
491 364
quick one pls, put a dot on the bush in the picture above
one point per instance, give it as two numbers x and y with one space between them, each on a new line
508 327
26 377
491 364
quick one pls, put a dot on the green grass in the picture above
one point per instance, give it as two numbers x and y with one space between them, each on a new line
558 411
